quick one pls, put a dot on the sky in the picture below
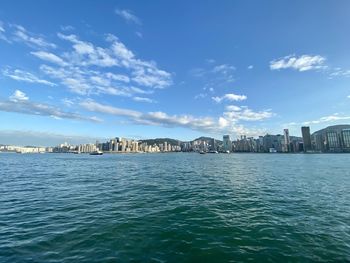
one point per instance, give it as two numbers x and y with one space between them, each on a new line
85 70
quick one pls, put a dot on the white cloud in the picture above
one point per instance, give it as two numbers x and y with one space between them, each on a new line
91 105
339 72
230 97
22 35
330 118
86 82
142 99
118 77
244 113
21 75
68 102
233 108
49 57
18 96
302 63
19 103
226 123
2 33
250 67
82 80
224 69
128 16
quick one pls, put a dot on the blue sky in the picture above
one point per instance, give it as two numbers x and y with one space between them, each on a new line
181 69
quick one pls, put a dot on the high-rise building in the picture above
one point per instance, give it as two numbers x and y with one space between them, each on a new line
332 141
305 131
286 140
227 143
212 144
346 139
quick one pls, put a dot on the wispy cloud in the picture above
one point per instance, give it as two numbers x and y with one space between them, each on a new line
339 72
213 76
330 118
3 33
21 75
244 113
143 99
229 122
230 97
224 69
23 35
67 28
139 34
49 57
301 63
128 16
19 102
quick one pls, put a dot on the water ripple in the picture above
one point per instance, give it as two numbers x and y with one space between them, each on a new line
174 208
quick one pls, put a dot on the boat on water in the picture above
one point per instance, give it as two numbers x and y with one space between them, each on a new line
213 152
202 152
96 153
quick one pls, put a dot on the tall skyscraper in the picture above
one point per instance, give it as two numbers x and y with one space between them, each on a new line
227 143
286 140
305 131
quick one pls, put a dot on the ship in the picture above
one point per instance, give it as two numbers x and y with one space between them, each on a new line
96 153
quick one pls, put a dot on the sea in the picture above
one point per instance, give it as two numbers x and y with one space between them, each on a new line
174 207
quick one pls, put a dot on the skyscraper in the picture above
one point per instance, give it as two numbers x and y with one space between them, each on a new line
227 144
286 140
305 131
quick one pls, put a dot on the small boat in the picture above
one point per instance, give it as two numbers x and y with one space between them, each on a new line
213 152
202 152
96 153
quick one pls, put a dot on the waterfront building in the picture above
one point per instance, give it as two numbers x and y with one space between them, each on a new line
270 142
305 131
345 134
227 143
212 145
286 140
332 139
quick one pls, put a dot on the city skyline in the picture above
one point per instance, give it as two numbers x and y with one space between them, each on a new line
330 139
137 70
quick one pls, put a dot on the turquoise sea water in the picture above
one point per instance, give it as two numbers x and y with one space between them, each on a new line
176 207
